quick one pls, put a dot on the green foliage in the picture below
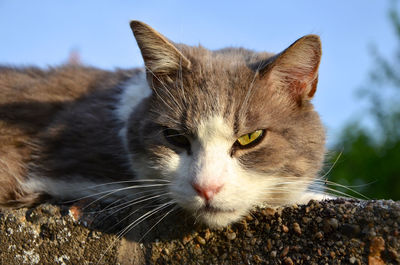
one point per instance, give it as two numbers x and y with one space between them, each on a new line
370 159
373 167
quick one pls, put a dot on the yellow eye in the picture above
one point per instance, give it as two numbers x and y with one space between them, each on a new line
249 138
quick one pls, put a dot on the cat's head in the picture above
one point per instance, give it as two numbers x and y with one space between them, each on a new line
229 128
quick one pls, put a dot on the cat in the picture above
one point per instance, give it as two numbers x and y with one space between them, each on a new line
211 132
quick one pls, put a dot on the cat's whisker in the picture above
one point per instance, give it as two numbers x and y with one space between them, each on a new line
165 103
162 218
131 202
328 182
333 165
320 184
324 190
144 217
149 203
248 93
109 207
196 215
168 93
140 200
128 181
135 223
109 192
108 195
321 189
344 193
167 117
336 193
116 204
160 182
179 85
180 77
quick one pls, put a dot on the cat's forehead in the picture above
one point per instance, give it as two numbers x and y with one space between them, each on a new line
230 56
218 74
220 84
215 128
222 74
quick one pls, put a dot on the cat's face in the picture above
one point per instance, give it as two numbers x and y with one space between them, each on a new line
229 129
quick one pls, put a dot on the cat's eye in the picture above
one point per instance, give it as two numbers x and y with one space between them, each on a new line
250 139
176 138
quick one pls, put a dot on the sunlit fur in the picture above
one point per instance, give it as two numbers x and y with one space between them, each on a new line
100 134
212 98
211 161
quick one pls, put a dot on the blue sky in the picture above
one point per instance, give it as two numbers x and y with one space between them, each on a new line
43 33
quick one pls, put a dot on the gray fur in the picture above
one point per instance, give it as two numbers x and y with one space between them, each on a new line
62 125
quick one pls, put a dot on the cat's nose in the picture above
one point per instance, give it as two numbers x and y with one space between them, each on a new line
208 191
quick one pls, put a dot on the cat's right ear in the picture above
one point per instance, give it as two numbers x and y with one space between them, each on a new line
161 57
295 70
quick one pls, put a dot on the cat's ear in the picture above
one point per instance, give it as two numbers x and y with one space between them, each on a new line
296 68
160 56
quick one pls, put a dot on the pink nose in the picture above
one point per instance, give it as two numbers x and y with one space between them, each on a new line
207 192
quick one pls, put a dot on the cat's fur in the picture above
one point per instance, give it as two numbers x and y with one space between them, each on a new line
66 129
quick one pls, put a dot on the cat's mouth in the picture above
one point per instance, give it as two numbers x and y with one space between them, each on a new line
214 216
215 210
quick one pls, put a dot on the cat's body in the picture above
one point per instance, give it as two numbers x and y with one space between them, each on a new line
50 123
213 132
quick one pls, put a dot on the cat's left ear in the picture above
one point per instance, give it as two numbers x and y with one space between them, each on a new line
296 68
160 55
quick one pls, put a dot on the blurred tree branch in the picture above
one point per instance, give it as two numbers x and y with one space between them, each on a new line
373 156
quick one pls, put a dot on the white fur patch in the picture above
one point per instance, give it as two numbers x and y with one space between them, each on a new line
79 188
135 90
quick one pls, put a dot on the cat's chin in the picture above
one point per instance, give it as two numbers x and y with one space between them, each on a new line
217 217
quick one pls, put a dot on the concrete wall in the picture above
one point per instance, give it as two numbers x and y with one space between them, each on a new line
332 232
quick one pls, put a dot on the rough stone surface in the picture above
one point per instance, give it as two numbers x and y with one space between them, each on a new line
330 232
